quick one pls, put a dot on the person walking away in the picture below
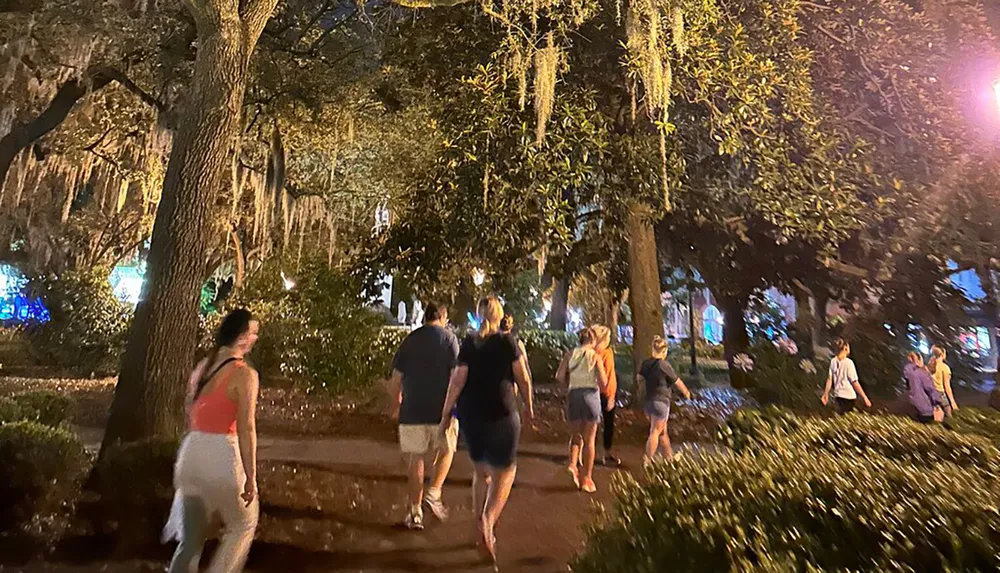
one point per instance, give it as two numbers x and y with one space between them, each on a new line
843 380
609 396
507 327
941 372
924 397
421 371
583 371
489 364
655 380
216 469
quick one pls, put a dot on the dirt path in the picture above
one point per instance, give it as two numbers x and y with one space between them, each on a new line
334 504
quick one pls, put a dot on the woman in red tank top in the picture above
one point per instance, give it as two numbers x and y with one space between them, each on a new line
216 472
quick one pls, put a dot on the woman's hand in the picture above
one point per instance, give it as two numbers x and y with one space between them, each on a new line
868 403
249 491
610 405
825 399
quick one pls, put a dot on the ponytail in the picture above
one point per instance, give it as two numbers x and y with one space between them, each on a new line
232 327
490 314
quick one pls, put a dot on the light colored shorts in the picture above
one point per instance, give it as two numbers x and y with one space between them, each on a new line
420 439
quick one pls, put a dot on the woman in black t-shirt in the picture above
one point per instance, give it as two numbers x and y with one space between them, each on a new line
482 388
656 378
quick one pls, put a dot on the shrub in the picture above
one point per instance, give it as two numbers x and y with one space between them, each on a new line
87 326
545 350
892 437
782 511
878 358
388 342
10 410
135 483
975 421
321 333
40 471
782 378
45 407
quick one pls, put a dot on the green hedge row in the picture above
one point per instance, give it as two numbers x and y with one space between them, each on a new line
856 493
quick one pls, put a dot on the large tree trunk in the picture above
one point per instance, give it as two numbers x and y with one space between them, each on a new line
161 346
821 297
644 282
735 338
560 304
805 322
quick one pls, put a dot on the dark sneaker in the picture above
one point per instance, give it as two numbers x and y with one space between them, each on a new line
414 522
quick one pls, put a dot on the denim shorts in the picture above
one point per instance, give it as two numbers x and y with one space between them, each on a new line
584 405
657 409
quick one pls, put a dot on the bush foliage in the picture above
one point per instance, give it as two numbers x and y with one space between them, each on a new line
545 350
40 470
855 493
321 333
87 326
45 407
135 483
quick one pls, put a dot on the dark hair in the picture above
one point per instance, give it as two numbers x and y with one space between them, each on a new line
434 312
587 336
507 323
232 327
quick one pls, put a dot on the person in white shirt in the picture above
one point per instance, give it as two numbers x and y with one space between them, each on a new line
843 380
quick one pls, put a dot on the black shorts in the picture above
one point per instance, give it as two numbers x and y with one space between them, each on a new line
924 419
493 443
846 405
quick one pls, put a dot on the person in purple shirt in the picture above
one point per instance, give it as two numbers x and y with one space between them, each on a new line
923 396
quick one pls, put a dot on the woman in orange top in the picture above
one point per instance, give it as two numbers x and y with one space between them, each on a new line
216 467
609 396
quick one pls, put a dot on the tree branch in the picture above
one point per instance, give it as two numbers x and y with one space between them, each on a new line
255 14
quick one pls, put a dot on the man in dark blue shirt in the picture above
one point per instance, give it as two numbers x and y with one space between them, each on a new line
421 371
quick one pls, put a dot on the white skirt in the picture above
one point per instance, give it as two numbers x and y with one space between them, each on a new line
209 466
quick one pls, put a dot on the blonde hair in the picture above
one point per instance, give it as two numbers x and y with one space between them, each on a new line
659 347
938 354
602 335
490 313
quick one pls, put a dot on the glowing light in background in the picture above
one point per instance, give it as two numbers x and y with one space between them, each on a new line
996 92
126 282
287 282
15 306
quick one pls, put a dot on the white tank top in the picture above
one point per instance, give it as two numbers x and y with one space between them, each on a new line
582 369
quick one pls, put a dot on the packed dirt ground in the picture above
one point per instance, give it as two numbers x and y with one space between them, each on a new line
332 487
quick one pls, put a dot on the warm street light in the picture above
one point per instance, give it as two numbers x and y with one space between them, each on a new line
478 277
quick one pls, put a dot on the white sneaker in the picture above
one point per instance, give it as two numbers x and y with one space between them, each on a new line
436 506
414 521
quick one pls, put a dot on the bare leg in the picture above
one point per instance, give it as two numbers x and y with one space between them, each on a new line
499 492
668 452
442 465
481 482
415 476
653 440
589 445
575 445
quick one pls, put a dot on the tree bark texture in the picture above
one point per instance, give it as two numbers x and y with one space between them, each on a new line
161 346
805 322
560 304
644 282
735 338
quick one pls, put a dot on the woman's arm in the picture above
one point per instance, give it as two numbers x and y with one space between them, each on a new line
947 389
561 374
247 386
602 375
683 388
826 391
524 360
459 376
861 392
523 380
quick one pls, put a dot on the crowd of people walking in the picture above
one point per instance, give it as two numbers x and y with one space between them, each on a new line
480 386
